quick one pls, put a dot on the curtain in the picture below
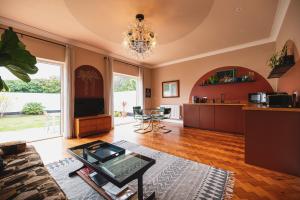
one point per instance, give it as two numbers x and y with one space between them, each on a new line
68 93
108 88
140 88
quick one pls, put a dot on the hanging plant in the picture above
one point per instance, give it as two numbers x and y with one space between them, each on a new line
15 58
277 59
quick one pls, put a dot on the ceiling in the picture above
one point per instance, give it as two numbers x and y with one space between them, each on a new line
184 28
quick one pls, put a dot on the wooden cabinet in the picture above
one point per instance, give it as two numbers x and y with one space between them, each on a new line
85 126
229 118
220 117
207 117
272 139
191 115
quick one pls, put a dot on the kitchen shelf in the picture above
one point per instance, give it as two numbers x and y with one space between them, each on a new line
229 83
278 71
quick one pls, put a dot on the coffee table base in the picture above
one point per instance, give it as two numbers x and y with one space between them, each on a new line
140 185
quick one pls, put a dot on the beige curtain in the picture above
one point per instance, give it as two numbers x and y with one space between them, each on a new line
68 93
108 88
140 88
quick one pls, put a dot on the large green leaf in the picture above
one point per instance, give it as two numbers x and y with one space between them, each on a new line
3 85
18 72
15 57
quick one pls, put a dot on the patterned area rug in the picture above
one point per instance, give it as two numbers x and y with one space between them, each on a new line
171 178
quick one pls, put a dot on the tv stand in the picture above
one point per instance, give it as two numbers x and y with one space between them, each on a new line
85 126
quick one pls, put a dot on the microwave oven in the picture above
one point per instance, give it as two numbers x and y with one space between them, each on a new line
280 101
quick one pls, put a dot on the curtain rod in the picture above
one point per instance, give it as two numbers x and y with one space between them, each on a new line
121 61
37 38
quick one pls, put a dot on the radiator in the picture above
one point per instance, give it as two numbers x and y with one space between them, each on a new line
175 111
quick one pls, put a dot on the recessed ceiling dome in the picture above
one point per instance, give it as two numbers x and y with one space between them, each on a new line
170 19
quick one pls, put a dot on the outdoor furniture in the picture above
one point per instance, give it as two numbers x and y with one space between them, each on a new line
113 164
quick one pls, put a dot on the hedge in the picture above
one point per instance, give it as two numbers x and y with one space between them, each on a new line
35 86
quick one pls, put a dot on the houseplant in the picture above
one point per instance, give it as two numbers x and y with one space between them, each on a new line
15 58
283 58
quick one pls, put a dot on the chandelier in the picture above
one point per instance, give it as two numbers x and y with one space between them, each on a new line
139 39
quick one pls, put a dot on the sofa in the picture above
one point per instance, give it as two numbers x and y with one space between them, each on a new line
23 175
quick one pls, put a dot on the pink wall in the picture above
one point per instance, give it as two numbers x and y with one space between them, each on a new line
236 92
189 72
290 30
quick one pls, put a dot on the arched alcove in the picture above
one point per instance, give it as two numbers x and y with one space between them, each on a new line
89 93
234 91
88 82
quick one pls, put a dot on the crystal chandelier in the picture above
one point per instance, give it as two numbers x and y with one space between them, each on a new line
139 39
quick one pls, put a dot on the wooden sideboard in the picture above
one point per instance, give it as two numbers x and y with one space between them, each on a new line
272 138
217 117
85 126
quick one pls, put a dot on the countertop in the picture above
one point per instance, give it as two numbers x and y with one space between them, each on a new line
266 108
247 107
218 104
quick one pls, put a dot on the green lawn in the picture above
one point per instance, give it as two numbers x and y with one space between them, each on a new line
19 122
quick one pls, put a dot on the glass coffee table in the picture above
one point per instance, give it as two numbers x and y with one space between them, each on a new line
116 165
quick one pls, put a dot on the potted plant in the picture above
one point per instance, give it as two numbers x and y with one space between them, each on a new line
124 113
15 58
213 79
283 58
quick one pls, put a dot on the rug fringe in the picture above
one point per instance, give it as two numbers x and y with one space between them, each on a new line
228 192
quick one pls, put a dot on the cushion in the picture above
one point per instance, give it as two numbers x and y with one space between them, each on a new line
21 161
34 183
9 148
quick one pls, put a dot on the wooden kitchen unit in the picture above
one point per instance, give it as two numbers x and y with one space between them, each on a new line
272 138
222 117
85 126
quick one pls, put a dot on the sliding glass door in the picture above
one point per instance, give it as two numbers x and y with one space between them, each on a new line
32 111
125 97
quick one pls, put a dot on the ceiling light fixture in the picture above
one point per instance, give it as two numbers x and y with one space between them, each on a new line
139 39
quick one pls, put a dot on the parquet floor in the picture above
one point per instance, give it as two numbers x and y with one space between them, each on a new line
217 149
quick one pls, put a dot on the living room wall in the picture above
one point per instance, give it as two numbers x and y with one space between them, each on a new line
290 30
50 51
254 58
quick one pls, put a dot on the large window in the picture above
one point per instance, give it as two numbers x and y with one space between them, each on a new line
125 97
32 111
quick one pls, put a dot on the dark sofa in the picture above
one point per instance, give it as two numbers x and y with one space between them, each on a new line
24 176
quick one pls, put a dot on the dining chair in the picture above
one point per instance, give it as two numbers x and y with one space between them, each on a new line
165 113
139 115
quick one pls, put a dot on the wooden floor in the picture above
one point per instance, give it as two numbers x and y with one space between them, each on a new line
217 149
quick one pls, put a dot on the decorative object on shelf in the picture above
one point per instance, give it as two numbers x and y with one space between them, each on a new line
170 89
148 92
213 80
228 77
140 40
15 58
282 61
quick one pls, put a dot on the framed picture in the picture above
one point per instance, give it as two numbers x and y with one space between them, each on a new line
170 89
148 93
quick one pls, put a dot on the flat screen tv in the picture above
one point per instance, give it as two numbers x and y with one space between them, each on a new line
88 107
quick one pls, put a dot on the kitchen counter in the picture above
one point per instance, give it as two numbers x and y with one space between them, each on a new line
218 104
224 117
272 138
266 108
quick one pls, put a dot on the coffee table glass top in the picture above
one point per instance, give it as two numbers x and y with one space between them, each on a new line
120 168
